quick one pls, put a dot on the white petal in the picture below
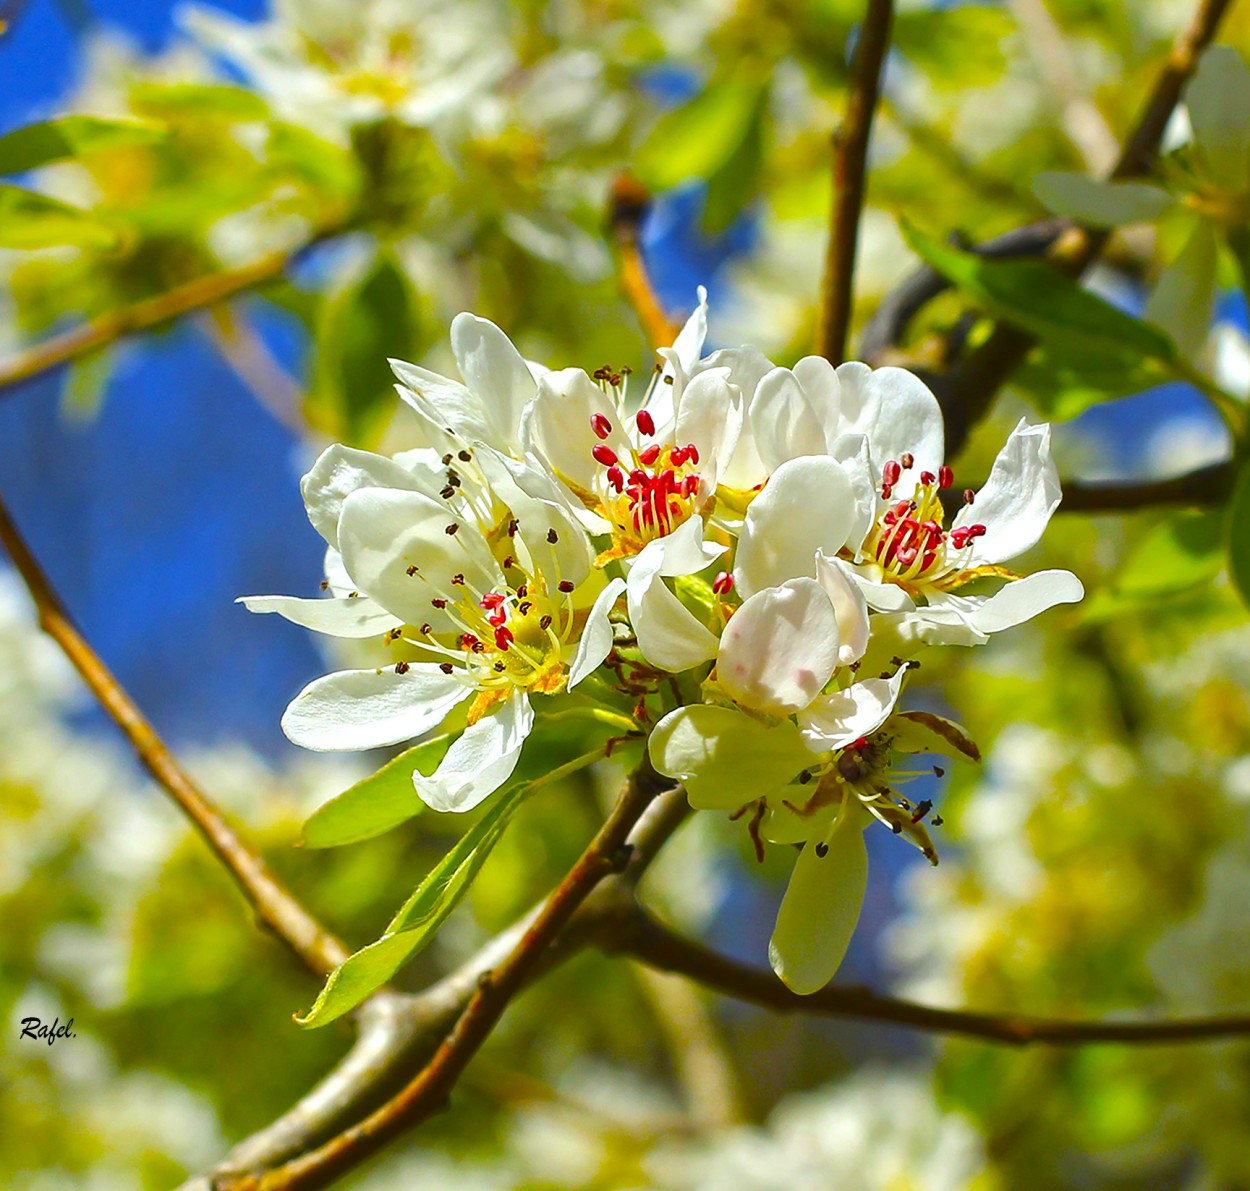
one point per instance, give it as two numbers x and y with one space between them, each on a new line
1097 203
670 636
1017 500
725 758
480 760
833 721
747 367
367 709
1183 299
879 595
340 582
821 907
340 471
783 423
1024 599
442 401
849 606
496 375
853 452
820 383
684 552
807 505
560 427
596 639
709 415
897 412
1218 98
360 617
780 648
384 532
689 342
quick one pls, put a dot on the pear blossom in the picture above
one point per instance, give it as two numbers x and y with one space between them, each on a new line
1203 193
482 584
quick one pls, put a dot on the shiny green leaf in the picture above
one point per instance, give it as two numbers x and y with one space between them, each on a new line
419 917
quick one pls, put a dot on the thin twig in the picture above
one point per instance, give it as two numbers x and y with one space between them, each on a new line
967 391
427 1093
656 945
88 337
273 902
850 155
629 205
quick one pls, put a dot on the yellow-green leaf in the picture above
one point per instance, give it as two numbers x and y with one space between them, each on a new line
32 220
71 136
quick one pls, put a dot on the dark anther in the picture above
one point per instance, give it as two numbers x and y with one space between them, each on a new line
567 585
938 771
446 667
325 584
401 667
822 849
412 570
923 807
464 456
805 777
439 602
448 492
513 526
545 623
427 629
447 458
937 820
552 536
458 579
453 479
452 529
897 828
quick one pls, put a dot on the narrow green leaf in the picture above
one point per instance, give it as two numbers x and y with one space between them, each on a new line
31 220
736 182
419 917
377 803
70 136
1239 533
370 319
203 100
1039 299
696 140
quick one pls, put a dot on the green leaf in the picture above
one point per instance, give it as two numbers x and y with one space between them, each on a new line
698 139
371 318
31 220
1039 299
205 100
1061 384
377 803
70 136
1238 535
736 182
955 45
419 917
1182 552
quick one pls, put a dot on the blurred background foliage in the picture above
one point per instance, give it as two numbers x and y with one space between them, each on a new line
389 164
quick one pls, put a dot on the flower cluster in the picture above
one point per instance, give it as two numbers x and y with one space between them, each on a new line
752 554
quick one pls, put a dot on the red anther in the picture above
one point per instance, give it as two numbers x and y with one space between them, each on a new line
645 422
907 555
498 617
690 485
650 455
927 477
637 476
976 531
468 641
724 582
616 478
491 600
503 637
969 496
678 455
692 453
604 454
890 473
933 529
946 477
959 537
567 585
600 425
907 459
887 491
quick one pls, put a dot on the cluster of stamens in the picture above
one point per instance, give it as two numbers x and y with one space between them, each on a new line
911 542
652 493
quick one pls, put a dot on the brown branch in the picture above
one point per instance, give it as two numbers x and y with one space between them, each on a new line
629 204
850 155
272 901
151 312
427 1093
654 944
1204 486
967 390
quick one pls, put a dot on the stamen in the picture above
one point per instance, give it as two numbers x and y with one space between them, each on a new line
600 425
907 460
946 477
605 455
645 422
649 456
890 473
723 583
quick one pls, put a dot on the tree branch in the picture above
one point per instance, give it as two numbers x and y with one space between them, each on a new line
427 1093
149 313
274 904
967 390
850 155
629 204
1204 486
656 945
